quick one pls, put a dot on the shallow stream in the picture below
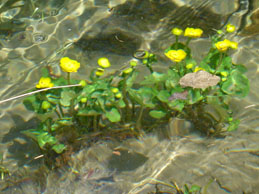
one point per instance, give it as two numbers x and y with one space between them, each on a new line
35 34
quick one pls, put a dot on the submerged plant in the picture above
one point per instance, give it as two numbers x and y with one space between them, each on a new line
196 92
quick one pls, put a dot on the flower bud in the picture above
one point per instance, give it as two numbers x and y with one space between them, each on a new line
104 62
133 63
82 83
230 28
118 95
115 90
128 70
224 73
83 100
189 66
99 72
177 31
45 105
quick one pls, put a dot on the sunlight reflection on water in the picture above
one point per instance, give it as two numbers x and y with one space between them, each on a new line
90 29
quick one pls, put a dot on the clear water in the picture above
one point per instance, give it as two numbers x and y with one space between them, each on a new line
35 34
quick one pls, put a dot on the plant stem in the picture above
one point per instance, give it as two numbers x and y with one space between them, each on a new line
176 42
150 68
138 123
124 94
68 78
188 41
56 111
95 123
61 110
220 59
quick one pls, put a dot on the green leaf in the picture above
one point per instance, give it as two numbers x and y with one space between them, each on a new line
172 80
135 96
66 97
241 68
32 103
195 188
65 121
42 137
226 62
195 95
88 111
186 189
157 114
233 125
147 95
45 138
60 81
44 72
88 89
154 78
113 115
236 84
54 99
130 81
121 103
163 95
59 148
176 105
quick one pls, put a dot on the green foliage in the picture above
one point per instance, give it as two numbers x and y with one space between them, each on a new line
95 105
237 84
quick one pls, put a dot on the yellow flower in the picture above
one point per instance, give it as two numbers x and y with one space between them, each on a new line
99 72
230 28
44 82
128 71
104 62
233 45
177 31
189 66
69 65
199 69
193 32
176 55
222 46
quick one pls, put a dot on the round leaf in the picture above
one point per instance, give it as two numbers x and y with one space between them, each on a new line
157 114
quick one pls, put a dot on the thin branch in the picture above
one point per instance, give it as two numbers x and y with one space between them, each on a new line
38 91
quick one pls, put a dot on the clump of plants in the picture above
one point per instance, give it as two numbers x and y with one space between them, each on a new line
199 92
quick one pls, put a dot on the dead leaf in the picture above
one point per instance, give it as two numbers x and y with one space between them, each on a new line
179 96
200 79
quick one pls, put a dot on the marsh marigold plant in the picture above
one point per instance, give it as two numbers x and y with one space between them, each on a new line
126 101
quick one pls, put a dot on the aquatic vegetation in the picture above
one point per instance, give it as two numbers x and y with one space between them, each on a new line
196 92
194 189
3 170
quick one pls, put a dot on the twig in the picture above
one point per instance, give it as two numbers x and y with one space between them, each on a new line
38 91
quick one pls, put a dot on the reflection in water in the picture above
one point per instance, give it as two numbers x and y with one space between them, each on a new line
38 33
